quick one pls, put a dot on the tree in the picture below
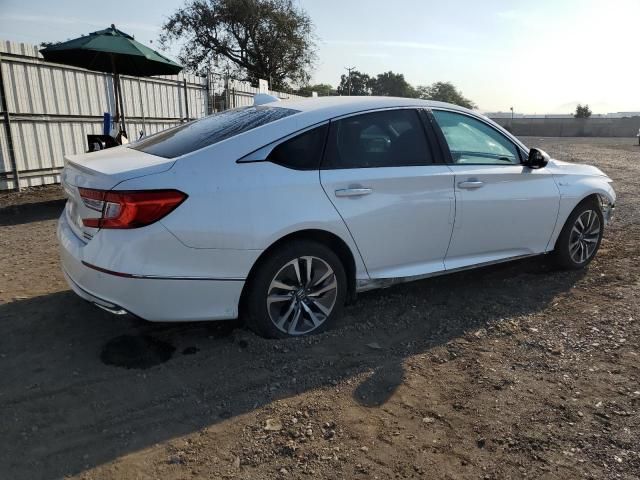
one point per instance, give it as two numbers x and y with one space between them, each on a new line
268 39
391 84
444 92
359 84
582 111
323 89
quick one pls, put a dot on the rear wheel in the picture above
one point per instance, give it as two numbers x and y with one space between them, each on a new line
580 237
299 289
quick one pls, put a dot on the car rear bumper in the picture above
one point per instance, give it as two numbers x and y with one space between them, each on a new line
154 299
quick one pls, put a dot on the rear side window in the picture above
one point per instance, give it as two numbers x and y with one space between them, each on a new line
391 138
302 152
209 130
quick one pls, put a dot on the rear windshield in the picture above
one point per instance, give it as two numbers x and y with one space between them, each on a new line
206 131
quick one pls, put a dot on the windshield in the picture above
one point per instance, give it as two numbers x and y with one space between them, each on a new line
209 130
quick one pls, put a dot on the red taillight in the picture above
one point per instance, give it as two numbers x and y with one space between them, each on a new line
129 209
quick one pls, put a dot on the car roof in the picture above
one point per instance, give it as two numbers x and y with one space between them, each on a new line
315 110
311 112
336 106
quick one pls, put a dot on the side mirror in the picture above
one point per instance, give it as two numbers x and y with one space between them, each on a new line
537 158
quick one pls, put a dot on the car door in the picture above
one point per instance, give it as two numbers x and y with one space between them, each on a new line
503 208
391 189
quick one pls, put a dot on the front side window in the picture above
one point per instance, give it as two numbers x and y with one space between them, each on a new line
302 152
473 142
390 138
206 131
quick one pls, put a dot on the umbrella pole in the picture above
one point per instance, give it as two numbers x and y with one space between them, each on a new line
116 118
124 127
118 94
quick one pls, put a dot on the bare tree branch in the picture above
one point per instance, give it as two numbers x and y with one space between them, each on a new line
269 39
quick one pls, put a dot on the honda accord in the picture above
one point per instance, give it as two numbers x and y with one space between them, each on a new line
281 212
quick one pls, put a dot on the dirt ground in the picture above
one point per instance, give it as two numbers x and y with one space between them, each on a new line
504 372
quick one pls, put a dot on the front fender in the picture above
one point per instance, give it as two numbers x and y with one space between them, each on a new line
573 191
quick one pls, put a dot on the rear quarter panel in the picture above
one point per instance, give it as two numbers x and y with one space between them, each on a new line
247 206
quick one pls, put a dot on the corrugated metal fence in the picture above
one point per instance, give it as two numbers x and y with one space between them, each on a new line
48 109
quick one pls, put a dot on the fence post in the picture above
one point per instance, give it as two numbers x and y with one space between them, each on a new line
213 94
144 127
227 98
186 99
207 92
7 126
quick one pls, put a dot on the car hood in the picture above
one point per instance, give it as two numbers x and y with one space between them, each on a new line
559 167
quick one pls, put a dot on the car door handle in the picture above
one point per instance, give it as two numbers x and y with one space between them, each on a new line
470 184
353 192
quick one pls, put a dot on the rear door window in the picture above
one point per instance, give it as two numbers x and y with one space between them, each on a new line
209 130
390 138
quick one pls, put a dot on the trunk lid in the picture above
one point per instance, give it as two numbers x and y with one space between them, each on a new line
102 170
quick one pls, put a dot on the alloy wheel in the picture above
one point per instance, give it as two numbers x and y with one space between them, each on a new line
302 295
584 236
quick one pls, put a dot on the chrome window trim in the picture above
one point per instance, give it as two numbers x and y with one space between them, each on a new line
419 109
374 110
261 154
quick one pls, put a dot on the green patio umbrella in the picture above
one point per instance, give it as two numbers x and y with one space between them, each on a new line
111 51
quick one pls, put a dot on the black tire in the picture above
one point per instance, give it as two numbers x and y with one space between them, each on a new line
258 315
565 255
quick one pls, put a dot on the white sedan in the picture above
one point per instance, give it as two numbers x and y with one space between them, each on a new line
279 213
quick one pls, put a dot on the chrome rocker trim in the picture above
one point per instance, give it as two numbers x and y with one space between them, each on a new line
364 285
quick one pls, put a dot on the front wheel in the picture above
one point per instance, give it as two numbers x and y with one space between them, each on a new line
580 237
299 289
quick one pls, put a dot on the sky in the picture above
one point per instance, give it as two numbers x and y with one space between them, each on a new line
541 56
